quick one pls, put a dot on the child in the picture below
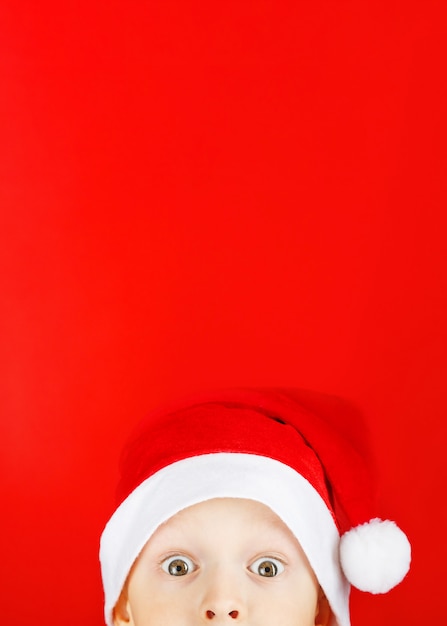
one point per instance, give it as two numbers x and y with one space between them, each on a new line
244 508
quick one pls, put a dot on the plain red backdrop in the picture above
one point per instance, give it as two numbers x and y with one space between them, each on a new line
197 195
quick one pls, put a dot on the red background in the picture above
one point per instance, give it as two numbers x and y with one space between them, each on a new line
197 195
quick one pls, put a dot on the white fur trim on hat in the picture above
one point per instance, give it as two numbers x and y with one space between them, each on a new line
225 475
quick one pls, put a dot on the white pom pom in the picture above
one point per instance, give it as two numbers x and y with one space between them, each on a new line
375 556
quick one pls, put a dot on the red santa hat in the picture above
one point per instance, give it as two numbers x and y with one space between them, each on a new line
264 446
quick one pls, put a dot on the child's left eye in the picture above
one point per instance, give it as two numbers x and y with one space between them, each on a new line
267 567
178 565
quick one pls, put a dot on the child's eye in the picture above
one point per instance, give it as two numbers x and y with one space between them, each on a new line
267 567
178 565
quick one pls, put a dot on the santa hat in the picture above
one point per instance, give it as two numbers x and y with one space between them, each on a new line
264 446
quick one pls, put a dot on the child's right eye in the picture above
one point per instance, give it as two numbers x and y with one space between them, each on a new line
178 565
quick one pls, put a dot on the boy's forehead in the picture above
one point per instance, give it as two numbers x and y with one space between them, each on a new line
252 512
244 506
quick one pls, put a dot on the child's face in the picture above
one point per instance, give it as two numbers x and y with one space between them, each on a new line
225 561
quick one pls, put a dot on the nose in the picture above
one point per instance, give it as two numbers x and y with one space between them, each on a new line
223 597
211 614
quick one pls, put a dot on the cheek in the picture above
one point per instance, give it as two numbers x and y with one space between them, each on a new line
296 611
155 604
291 604
156 611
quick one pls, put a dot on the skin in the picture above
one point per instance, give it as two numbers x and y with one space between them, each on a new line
223 561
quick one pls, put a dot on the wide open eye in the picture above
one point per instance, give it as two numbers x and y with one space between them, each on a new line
267 567
178 565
